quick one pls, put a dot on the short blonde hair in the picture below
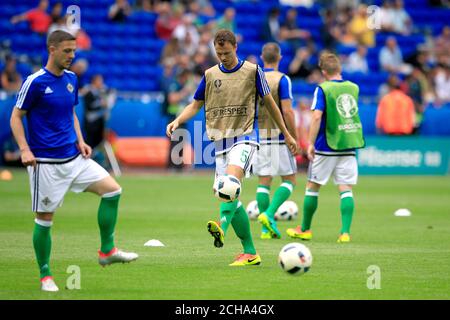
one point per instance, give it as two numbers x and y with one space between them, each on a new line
329 62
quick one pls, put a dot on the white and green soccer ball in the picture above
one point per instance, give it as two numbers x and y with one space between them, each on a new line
252 210
287 211
295 258
227 188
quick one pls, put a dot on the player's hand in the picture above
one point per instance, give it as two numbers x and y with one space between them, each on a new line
311 152
171 127
28 158
292 144
86 150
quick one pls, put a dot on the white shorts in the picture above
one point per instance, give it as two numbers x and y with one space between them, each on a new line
50 182
343 168
274 160
241 155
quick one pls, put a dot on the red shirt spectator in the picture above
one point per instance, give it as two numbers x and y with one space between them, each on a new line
38 18
396 114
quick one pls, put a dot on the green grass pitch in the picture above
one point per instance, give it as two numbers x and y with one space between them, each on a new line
413 253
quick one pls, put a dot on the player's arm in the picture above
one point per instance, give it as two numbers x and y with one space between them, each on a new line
85 150
285 91
191 110
18 131
289 117
275 113
313 132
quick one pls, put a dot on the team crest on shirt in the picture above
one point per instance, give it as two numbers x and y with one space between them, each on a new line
217 83
70 87
46 201
346 105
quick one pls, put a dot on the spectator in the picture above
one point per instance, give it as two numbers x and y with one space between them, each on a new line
119 11
395 114
80 67
56 12
206 44
391 59
271 29
442 84
201 8
187 32
300 66
387 16
170 51
442 46
414 87
357 61
359 28
401 23
167 20
11 80
201 62
180 94
83 40
227 20
329 32
98 100
11 155
38 18
291 33
189 46
59 24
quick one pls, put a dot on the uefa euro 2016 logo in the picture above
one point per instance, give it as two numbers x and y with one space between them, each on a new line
346 105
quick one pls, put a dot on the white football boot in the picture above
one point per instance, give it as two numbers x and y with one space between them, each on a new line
115 256
47 284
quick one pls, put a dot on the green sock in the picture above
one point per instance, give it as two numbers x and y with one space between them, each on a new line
309 207
107 217
42 243
263 197
281 195
347 206
227 210
241 225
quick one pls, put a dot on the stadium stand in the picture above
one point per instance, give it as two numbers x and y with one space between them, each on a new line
128 56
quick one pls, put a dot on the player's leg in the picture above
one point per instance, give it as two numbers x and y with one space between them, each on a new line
263 200
283 164
282 193
263 193
42 244
347 208
47 193
109 191
262 168
319 171
93 178
346 175
239 162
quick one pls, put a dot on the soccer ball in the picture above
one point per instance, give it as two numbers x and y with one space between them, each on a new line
295 258
287 211
252 210
227 188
